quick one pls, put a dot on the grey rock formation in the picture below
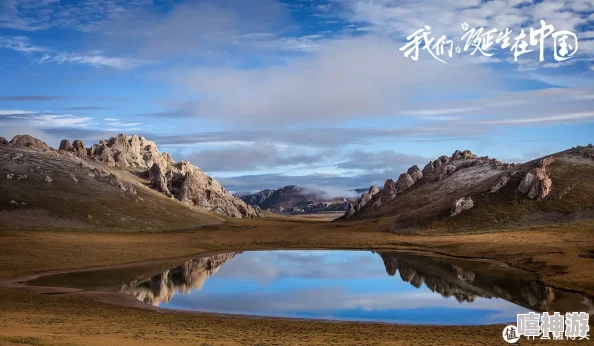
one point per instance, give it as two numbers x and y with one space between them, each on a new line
388 192
48 179
461 205
446 171
501 183
180 180
350 209
536 183
404 182
463 155
66 145
415 173
192 186
128 151
367 196
79 149
29 142
3 141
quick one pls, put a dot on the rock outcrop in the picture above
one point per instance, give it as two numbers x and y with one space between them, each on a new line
79 149
415 173
65 145
389 191
3 141
180 180
464 167
29 142
404 182
190 185
536 183
125 151
501 183
461 205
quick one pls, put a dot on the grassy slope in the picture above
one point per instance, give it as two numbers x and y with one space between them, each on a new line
422 209
88 204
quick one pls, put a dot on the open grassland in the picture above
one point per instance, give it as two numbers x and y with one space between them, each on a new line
561 256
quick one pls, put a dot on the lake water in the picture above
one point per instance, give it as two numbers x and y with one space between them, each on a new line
394 287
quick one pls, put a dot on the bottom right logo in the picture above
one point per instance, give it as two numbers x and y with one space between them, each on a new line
571 326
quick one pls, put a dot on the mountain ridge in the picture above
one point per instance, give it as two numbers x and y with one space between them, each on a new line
295 199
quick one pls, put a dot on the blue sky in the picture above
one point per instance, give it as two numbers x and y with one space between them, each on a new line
266 93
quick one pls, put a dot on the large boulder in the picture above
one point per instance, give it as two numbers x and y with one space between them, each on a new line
461 205
404 182
501 183
536 183
29 142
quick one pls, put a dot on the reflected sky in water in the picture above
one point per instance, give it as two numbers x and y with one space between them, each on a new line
337 285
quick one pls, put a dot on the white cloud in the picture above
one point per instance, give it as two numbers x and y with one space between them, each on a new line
360 77
115 122
547 119
95 60
14 112
20 44
58 120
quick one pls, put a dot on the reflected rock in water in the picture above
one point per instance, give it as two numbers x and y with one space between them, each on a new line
185 278
466 280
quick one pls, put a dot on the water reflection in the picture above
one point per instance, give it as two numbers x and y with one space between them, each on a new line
353 285
185 278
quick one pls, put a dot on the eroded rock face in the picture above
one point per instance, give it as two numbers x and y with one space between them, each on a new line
404 182
78 147
461 205
29 142
65 145
190 185
536 183
415 173
3 141
501 183
128 151
447 171
389 191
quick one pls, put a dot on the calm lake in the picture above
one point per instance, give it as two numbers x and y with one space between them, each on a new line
394 287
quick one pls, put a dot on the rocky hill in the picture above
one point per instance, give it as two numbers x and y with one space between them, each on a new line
123 182
295 200
462 191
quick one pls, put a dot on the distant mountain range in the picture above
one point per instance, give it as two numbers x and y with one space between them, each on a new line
294 199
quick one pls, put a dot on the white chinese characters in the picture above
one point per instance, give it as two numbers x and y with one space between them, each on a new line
571 326
484 41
